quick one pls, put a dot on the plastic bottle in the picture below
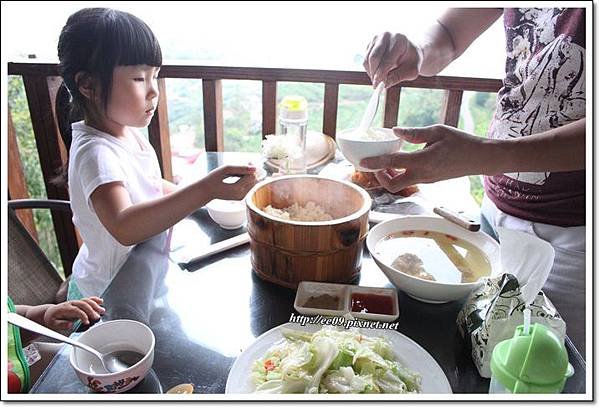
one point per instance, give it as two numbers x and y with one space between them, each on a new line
532 361
293 121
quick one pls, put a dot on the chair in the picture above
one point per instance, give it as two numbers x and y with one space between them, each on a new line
32 279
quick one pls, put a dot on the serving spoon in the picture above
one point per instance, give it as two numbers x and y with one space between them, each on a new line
371 110
112 362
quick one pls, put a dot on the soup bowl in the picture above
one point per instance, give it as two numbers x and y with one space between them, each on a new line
422 289
107 337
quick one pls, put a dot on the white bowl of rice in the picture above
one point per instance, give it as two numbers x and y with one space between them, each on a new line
356 145
229 214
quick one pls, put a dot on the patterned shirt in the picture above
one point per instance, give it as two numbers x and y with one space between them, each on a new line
544 88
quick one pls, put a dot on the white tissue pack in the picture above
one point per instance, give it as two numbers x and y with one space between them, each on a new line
493 311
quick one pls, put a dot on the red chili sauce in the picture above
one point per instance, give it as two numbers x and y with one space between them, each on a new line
372 303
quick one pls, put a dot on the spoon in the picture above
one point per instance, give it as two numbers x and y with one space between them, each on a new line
112 362
369 115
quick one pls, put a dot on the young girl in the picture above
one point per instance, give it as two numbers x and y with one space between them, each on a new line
109 61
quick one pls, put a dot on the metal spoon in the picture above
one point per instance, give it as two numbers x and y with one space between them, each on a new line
112 362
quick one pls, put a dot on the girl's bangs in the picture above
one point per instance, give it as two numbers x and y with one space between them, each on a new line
137 44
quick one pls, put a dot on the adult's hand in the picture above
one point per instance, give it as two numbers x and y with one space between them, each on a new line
391 58
448 153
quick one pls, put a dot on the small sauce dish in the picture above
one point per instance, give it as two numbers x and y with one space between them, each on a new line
332 299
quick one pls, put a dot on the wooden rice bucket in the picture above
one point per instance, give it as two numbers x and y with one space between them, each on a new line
288 252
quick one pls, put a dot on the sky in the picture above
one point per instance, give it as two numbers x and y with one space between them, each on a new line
318 35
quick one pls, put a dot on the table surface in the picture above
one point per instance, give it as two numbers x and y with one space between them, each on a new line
206 313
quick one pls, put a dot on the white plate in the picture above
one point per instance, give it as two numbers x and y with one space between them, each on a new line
408 352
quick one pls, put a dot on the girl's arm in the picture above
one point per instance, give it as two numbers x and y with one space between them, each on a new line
35 313
131 223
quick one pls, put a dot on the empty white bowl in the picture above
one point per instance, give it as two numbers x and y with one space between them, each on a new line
111 336
354 148
425 290
228 214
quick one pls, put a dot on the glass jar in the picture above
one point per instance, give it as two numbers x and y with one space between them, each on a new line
293 123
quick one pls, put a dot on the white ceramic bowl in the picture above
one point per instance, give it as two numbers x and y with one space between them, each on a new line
356 149
424 290
107 337
227 213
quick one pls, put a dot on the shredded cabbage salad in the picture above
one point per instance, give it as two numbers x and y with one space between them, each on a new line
332 361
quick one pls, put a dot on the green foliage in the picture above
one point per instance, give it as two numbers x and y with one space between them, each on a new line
482 108
31 167
242 104
242 116
476 188
352 102
420 107
185 107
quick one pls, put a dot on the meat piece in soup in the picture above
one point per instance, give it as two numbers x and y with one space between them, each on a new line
434 256
413 265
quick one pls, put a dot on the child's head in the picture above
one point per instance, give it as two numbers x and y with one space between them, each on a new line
94 44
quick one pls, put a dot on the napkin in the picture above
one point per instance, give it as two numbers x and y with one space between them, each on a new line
494 310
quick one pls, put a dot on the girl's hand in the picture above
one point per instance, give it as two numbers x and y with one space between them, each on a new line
62 316
230 191
448 153
391 58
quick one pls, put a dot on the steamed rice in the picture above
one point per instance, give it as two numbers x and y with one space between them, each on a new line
371 135
310 212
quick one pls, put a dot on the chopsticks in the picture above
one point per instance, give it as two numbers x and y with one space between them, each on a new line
219 247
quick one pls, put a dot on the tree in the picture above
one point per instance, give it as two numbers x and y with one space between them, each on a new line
19 110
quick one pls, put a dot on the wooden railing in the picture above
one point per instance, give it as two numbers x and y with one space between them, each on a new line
41 84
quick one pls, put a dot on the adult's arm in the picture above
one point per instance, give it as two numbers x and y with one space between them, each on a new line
169 187
451 35
394 58
450 153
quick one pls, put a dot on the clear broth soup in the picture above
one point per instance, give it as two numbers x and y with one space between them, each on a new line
433 256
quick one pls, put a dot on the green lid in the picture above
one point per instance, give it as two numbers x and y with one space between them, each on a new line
534 362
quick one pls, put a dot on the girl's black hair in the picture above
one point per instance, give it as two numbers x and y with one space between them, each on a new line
93 42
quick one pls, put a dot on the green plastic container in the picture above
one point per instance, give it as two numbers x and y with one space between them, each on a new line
528 363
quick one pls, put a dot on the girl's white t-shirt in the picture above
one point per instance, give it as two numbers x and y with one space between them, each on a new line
97 158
